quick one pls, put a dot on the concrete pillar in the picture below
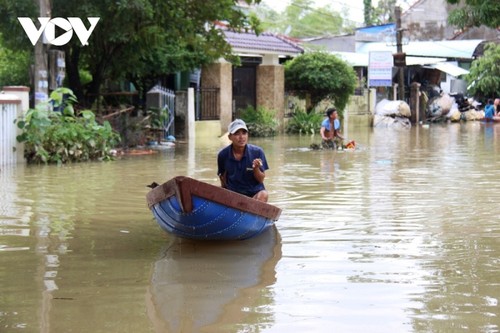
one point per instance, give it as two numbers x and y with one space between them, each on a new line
22 93
372 102
220 75
191 133
414 103
271 89
190 119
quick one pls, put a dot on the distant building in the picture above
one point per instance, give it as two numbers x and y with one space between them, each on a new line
437 53
426 20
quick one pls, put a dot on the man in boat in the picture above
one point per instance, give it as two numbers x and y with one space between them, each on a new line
330 130
242 166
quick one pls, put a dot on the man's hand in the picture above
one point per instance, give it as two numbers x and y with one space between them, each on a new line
223 180
257 163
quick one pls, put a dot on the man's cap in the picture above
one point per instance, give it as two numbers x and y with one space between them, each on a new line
236 125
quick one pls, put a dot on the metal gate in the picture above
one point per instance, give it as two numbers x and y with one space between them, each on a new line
207 104
163 99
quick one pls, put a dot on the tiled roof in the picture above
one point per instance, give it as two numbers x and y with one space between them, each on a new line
265 43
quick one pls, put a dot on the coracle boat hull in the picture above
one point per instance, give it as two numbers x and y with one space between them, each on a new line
194 209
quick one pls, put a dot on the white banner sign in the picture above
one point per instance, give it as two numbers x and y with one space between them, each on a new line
380 69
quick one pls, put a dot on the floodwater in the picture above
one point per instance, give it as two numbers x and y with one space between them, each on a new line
400 235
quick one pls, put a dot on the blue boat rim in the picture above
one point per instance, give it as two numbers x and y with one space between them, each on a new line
185 187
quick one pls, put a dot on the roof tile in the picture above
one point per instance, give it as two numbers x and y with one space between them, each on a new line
265 43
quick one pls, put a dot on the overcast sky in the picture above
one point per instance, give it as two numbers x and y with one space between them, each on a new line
355 6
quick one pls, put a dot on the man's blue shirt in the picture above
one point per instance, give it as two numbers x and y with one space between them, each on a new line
489 111
326 124
239 174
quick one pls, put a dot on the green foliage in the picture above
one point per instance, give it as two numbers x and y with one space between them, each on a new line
475 13
157 120
308 22
261 121
320 75
367 12
484 76
85 77
13 33
303 122
384 12
157 117
62 137
14 66
300 19
138 40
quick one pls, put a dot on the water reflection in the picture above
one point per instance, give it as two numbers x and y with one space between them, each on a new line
401 233
213 286
14 220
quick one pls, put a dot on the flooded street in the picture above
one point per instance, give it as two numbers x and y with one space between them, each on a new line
400 235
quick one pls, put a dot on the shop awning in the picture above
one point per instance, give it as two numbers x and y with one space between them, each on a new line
449 68
361 59
456 49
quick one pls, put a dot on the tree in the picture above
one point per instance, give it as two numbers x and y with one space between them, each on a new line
474 13
271 20
300 19
484 76
382 14
367 12
135 39
320 75
14 66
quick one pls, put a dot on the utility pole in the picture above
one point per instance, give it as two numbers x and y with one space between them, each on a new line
40 72
401 56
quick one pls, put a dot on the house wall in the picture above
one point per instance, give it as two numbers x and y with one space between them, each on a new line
427 20
271 88
481 32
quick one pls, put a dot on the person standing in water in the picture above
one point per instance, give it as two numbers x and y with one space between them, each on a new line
330 130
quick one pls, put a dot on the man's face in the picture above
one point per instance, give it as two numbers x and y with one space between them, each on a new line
239 138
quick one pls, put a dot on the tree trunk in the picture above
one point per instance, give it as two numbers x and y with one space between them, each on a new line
72 69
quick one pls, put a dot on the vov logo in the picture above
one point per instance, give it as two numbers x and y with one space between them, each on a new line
48 27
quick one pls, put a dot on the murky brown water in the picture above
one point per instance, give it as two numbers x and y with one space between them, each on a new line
401 235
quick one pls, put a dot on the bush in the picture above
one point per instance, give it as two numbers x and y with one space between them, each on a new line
303 122
14 67
260 122
319 76
62 137
484 76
